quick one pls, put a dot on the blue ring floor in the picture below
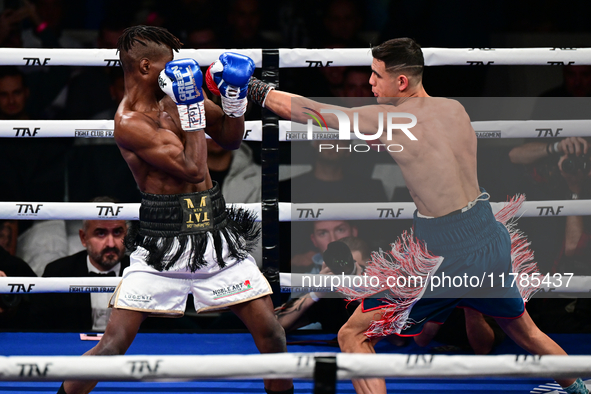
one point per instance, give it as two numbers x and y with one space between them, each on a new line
48 344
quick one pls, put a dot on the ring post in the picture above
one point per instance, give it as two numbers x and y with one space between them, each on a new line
325 375
270 179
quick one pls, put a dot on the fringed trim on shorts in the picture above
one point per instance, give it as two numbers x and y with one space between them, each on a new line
522 257
241 233
410 257
171 223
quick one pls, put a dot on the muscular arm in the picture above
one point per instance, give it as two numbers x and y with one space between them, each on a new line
293 107
280 103
161 148
224 130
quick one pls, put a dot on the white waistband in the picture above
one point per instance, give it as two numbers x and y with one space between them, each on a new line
467 207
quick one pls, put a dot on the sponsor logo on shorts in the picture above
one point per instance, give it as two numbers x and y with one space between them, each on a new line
199 212
138 297
232 290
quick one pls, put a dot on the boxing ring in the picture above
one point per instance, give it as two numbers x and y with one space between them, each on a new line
48 358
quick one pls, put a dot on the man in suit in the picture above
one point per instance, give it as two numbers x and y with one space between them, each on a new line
104 255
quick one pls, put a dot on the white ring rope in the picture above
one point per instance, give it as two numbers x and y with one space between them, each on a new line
289 282
253 129
103 57
89 129
288 212
84 210
299 57
405 210
286 365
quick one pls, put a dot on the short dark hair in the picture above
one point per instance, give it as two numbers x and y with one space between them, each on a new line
132 36
401 53
12 71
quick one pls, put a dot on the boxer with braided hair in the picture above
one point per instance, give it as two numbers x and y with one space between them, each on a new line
187 241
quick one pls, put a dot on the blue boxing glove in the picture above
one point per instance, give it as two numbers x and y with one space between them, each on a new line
181 80
229 78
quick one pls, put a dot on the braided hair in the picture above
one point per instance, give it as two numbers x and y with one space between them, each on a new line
157 35
138 39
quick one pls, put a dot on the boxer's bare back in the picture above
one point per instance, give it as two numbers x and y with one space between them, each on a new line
439 168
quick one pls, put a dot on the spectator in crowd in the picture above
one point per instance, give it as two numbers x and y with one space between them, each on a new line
14 308
13 94
244 26
331 313
104 254
544 181
575 255
576 82
355 82
239 178
46 241
563 245
32 169
116 90
333 178
47 25
10 26
323 232
36 24
342 22
203 36
6 235
98 80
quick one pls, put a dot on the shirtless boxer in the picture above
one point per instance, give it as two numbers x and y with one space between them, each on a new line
453 220
185 231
